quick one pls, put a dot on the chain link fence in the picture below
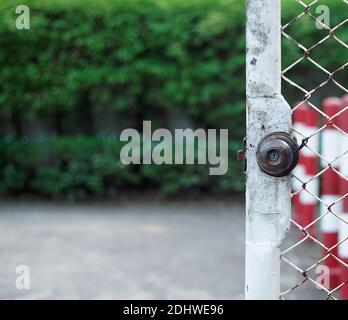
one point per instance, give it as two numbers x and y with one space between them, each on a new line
314 251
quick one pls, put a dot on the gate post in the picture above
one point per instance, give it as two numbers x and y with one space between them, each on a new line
268 202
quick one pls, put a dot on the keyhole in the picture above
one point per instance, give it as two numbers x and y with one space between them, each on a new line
274 156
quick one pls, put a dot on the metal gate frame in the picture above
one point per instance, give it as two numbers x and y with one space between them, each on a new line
268 199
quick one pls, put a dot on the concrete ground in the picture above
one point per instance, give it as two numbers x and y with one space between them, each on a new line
128 251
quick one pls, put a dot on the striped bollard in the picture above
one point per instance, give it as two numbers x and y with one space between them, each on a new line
343 227
299 123
308 203
330 141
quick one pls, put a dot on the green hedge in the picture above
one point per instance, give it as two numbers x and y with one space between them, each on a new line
138 58
83 167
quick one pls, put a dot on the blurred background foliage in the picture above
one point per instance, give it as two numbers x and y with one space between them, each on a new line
88 69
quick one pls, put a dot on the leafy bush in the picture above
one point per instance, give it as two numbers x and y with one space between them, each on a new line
64 167
138 59
83 166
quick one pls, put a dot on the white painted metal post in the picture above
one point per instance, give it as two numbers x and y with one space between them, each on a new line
267 198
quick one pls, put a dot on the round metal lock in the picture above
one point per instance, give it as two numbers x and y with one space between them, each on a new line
277 154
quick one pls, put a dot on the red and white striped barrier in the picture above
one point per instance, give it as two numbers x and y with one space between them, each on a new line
306 122
308 201
330 193
343 227
299 123
333 144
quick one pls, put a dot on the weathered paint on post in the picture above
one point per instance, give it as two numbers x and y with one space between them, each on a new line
268 203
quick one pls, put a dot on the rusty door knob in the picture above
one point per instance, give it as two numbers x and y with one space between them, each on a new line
277 154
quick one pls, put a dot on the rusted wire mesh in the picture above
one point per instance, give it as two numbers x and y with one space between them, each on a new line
304 254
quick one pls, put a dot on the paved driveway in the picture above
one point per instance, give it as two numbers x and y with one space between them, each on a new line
126 251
